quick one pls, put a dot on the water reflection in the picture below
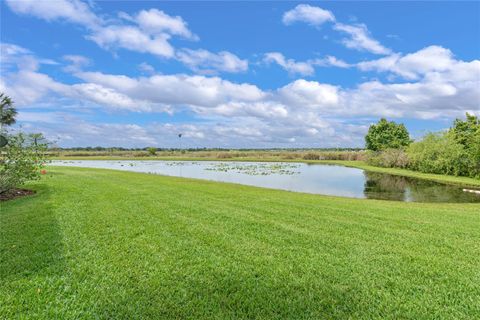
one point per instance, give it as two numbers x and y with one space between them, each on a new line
311 178
392 187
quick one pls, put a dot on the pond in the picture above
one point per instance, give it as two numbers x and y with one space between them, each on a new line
300 177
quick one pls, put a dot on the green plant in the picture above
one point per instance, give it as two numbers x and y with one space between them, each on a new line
21 160
389 158
467 133
7 111
440 153
152 151
385 135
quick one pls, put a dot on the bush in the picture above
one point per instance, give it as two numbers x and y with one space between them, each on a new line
441 153
152 151
390 158
21 160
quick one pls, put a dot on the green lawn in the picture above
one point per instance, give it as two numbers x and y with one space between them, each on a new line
119 245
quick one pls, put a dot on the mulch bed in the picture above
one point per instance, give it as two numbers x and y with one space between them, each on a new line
15 193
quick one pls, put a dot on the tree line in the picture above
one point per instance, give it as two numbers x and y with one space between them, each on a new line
455 151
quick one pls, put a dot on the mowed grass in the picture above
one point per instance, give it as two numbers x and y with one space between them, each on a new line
118 245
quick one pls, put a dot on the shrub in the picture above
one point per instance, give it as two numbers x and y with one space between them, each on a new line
390 158
441 153
152 151
21 160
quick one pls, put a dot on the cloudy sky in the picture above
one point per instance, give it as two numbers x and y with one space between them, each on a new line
242 74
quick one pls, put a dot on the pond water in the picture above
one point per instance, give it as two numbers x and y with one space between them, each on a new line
300 177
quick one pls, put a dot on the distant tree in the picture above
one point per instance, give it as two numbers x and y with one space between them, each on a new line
386 135
152 151
7 111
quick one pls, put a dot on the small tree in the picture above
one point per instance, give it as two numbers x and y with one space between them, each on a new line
22 159
386 135
22 156
152 151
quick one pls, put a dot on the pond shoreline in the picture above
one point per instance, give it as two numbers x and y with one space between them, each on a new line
452 180
319 178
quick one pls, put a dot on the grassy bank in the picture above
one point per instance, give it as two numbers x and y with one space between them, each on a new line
110 244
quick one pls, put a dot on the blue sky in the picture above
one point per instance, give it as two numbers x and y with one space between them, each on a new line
237 74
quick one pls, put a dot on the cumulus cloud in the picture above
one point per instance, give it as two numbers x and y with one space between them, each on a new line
155 21
309 94
73 11
204 61
148 31
132 38
178 89
359 37
315 16
414 65
298 110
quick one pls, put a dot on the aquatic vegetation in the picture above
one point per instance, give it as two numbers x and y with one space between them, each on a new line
256 169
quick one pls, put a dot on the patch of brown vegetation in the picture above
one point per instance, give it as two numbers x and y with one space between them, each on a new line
15 193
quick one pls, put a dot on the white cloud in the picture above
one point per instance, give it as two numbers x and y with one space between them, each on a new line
28 87
360 39
14 56
207 62
146 68
309 14
331 61
148 31
309 94
292 66
132 38
267 109
414 65
74 11
76 63
179 89
156 21
108 97
305 68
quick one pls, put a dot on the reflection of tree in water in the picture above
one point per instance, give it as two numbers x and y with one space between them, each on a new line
391 187
384 186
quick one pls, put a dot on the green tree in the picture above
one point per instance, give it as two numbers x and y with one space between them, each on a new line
7 111
152 151
466 130
386 135
467 133
22 160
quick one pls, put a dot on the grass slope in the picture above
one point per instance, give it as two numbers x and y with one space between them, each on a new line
109 244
